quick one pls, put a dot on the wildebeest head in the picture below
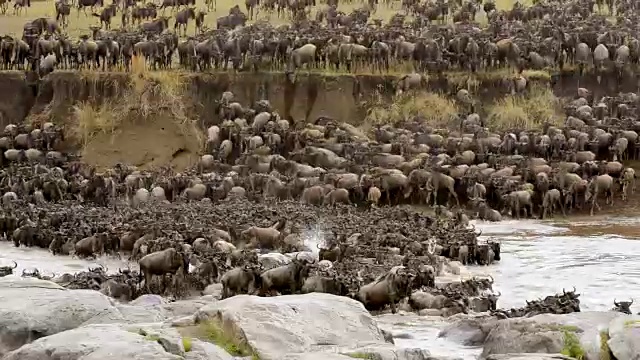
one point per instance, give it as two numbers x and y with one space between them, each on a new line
493 300
7 270
622 306
495 246
401 278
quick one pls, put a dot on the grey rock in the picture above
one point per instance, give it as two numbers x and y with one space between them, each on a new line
546 333
183 308
142 313
213 289
149 300
93 342
624 335
390 352
32 308
206 351
470 330
528 357
293 324
538 334
317 356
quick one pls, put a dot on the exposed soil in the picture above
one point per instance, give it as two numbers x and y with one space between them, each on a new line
144 145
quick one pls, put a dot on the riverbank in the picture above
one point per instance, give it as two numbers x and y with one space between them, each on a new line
344 97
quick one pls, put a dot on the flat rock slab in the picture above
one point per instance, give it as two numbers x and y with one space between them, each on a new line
528 357
95 342
32 308
295 324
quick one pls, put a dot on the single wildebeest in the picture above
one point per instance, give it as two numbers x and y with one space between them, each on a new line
240 281
421 300
387 289
7 270
91 246
622 306
484 303
167 261
324 284
286 279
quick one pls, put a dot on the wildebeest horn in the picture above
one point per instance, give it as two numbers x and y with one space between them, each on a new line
631 302
615 302
491 277
480 233
564 292
24 271
499 294
15 264
574 290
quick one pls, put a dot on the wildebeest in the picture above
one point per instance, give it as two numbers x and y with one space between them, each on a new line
286 279
167 261
622 306
388 289
240 280
7 270
484 302
324 284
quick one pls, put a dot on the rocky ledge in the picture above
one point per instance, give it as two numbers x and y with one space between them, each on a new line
40 320
585 335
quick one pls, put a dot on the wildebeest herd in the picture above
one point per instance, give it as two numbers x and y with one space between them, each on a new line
546 35
265 183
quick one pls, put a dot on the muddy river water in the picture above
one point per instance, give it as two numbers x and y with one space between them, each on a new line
539 259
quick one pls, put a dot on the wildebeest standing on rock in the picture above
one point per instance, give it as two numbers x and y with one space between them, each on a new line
167 261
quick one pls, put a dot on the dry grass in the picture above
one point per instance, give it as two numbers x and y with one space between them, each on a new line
148 96
430 108
528 111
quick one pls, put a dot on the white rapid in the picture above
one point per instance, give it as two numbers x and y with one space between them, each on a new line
538 259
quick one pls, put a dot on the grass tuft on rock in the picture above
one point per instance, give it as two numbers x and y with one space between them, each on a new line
605 352
152 337
361 355
212 331
431 108
572 346
186 343
525 111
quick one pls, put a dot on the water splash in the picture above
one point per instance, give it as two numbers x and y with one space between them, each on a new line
313 237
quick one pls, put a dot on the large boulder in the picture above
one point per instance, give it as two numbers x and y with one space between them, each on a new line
299 324
32 308
575 334
624 335
97 342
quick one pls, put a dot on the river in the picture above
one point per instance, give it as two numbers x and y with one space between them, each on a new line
538 259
